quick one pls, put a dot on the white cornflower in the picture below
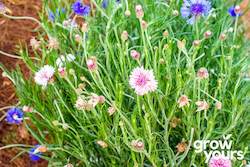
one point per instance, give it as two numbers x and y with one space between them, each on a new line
44 75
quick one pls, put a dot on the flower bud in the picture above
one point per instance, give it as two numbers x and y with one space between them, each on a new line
27 109
111 110
165 33
92 64
137 145
144 24
135 55
84 27
78 38
202 73
207 34
101 143
175 13
196 43
127 13
139 11
222 36
124 36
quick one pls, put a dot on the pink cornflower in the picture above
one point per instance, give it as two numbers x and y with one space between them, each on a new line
139 11
220 161
92 64
143 81
183 101
202 105
202 73
135 55
44 75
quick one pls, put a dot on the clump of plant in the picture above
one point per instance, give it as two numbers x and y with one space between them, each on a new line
135 83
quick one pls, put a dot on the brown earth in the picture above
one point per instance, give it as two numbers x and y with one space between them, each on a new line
14 32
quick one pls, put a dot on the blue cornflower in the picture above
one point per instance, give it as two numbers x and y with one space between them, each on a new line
51 16
192 9
34 154
80 9
105 4
233 12
14 116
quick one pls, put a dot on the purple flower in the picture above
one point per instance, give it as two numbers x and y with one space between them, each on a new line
80 9
192 9
14 116
51 16
34 154
232 12
105 4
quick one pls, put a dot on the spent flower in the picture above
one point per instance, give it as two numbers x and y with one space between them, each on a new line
202 105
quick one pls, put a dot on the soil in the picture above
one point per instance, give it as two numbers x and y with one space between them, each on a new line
13 33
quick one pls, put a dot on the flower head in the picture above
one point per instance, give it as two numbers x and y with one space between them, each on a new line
181 147
135 55
105 4
92 64
137 145
218 105
44 75
220 161
202 105
36 152
192 9
183 101
80 9
124 36
202 73
234 11
14 116
142 81
139 11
